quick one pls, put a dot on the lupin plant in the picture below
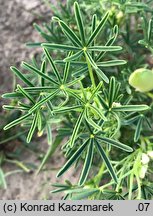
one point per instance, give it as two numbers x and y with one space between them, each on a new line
97 125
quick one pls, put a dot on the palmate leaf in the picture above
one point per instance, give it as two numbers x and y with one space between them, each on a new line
43 69
79 22
111 91
131 120
85 193
80 72
90 60
73 158
26 94
38 89
74 56
76 128
90 121
105 48
21 76
106 160
55 71
103 103
131 108
138 129
60 47
68 109
95 92
44 100
33 127
9 107
17 121
98 112
75 81
68 32
35 70
102 75
94 20
111 63
115 143
98 29
150 27
66 70
74 63
87 164
12 95
111 40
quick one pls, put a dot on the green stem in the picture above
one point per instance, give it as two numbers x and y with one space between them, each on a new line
18 163
91 73
98 177
139 186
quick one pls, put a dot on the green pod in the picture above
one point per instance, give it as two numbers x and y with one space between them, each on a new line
142 80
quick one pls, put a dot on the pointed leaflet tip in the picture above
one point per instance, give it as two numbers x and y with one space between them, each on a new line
54 18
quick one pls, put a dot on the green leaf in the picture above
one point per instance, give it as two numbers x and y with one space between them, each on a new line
138 129
111 40
95 91
80 72
111 91
35 70
150 28
39 121
74 63
52 65
17 121
39 89
33 127
131 120
75 95
68 109
26 94
130 108
115 143
12 95
60 46
86 193
102 75
103 102
43 69
72 159
76 129
44 100
87 164
105 48
107 161
91 61
66 70
111 63
70 34
75 81
8 107
21 76
79 22
91 122
94 20
98 112
74 56
34 44
98 29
